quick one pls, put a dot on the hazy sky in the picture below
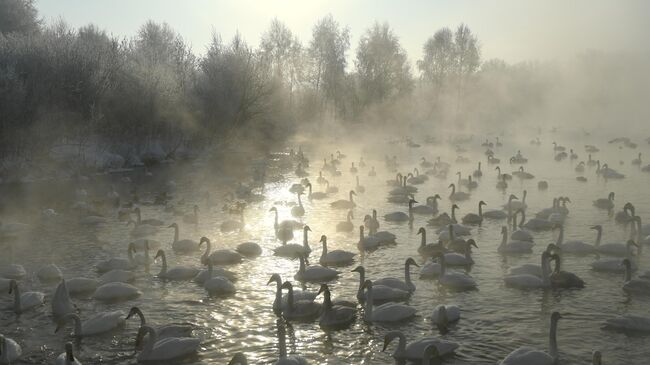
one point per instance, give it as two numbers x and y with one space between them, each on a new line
514 30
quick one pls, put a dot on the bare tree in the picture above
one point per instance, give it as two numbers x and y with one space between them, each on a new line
282 53
467 58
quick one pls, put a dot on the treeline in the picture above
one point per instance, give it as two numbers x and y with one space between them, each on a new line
64 85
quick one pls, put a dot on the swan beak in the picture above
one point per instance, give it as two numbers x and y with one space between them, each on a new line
386 343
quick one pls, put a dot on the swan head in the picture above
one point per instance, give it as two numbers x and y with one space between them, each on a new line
287 285
504 230
513 197
323 239
275 278
141 333
239 359
597 358
631 243
306 228
552 247
273 209
410 261
203 239
471 242
173 225
12 285
455 206
412 201
597 227
422 231
367 284
133 311
323 289
482 203
160 253
359 269
451 186
367 218
436 197
555 316
390 336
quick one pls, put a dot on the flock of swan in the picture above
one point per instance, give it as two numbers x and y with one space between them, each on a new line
380 300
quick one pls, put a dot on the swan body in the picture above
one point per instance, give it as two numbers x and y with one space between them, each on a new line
97 324
335 257
116 292
219 257
415 350
431 270
61 303
529 280
605 203
387 312
25 301
513 247
183 246
381 293
299 310
634 286
367 243
49 273
249 249
445 314
457 195
631 323
294 250
10 350
314 273
176 273
219 285
344 204
13 271
406 285
167 348
118 263
454 280
67 357
117 276
334 316
529 356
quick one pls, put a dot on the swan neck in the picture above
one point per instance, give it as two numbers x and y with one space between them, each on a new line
407 275
553 340
153 338
599 237
560 238
305 238
208 248
77 325
163 270
628 273
175 234
480 210
504 238
545 269
17 303
369 303
290 299
423 242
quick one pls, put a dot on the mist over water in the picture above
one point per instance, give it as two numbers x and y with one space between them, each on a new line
94 125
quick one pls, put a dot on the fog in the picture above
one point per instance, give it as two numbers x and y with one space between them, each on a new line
252 129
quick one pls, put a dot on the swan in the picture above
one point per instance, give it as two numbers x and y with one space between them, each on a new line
520 234
530 280
367 243
454 280
407 284
526 355
564 279
372 172
614 265
605 203
280 301
314 273
387 312
613 249
381 293
13 271
336 257
558 148
219 257
431 206
25 301
118 263
61 303
516 205
359 188
461 182
429 249
142 230
478 172
513 247
579 247
318 195
293 250
502 177
637 161
626 215
149 222
299 310
581 167
49 273
456 259
217 285
404 189
298 210
471 218
533 269
205 274
192 218
457 196
296 188
10 350
163 331
330 189
502 184
116 276
284 229
414 351
417 178
628 323
371 223
609 173
178 273
535 224
426 164
344 204
110 292
401 216
67 357
444 218
443 315
334 316
164 349
634 286
523 174
185 245
98 324
347 225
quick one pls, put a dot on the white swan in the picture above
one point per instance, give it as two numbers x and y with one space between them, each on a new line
318 195
628 323
443 315
334 316
456 259
381 293
117 276
298 210
164 331
530 281
444 218
165 349
182 246
367 243
345 204
299 310
79 285
527 355
516 205
61 303
429 249
218 285
533 269
431 270
387 312
520 234
49 273
98 324
457 195
13 271
472 218
346 225
142 230
372 223
605 203
284 229
10 350
564 279
634 286
336 257
415 350
294 250
178 273
111 292
219 257
280 301
406 284
118 263
67 357
314 273
513 247
454 280
614 249
25 301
